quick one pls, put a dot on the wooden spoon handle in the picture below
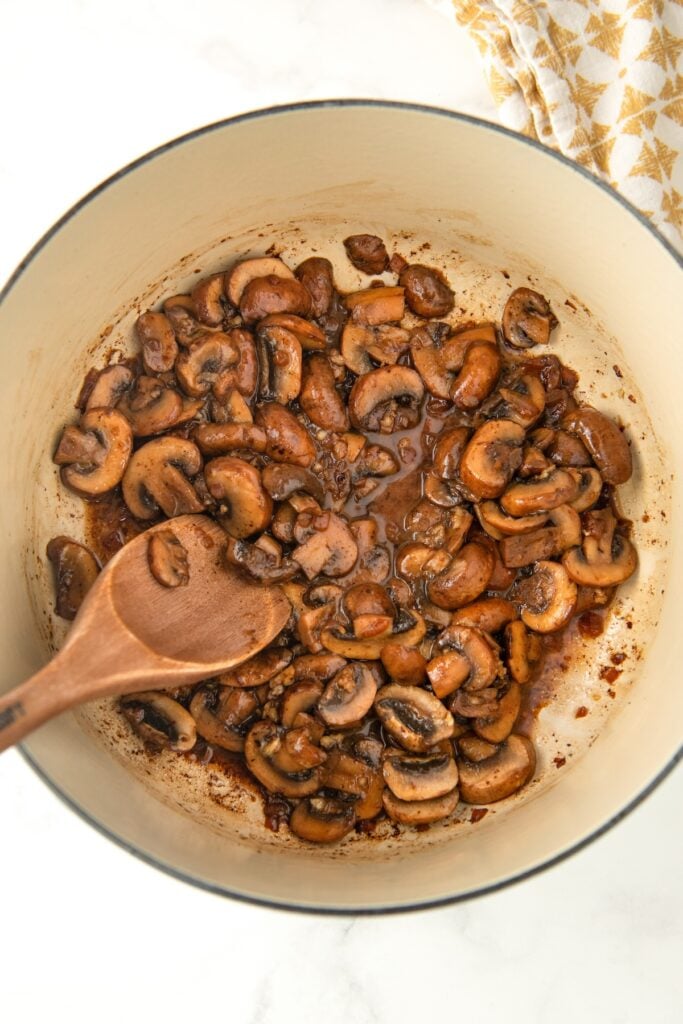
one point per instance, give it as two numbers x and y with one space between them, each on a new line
27 706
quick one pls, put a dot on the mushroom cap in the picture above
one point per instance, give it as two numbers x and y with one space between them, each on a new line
527 319
322 820
378 389
478 375
589 485
156 478
206 298
309 335
265 739
404 665
491 458
489 614
163 722
368 253
419 776
167 559
222 715
260 669
348 696
450 444
596 572
327 546
427 291
237 484
540 494
111 384
273 294
499 776
475 647
199 368
371 650
373 306
317 277
282 480
414 717
75 569
239 276
94 455
496 728
286 439
605 442
219 438
150 407
547 598
280 362
419 812
158 342
464 579
319 397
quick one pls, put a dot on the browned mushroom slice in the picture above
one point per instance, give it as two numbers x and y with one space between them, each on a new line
388 343
317 278
409 629
523 401
420 812
299 698
474 703
156 478
450 444
219 438
75 569
320 667
473 748
534 462
286 439
309 335
464 579
426 350
605 442
476 650
264 740
373 306
158 342
499 525
427 291
491 458
243 374
447 672
545 543
498 727
358 775
321 819
386 399
326 545
273 294
567 449
589 485
606 558
109 387
150 407
440 492
414 717
263 667
160 721
182 316
527 319
547 598
489 614
281 481
223 715
199 368
370 610
541 494
319 397
404 665
419 776
348 696
245 506
499 776
94 455
280 363
259 564
206 298
246 271
478 376
517 640
355 342
367 253
168 559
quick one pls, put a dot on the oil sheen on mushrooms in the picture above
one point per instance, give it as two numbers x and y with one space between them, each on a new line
432 496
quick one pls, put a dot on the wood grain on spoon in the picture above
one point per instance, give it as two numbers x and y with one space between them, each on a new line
133 634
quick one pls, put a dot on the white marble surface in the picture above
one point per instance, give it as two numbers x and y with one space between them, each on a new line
88 933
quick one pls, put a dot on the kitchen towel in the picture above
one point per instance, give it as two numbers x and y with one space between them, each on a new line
600 80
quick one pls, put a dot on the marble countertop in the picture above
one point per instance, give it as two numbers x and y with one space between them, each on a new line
90 933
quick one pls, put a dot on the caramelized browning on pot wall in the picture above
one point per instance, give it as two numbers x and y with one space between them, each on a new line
430 495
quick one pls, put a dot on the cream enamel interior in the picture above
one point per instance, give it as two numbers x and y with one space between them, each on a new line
302 179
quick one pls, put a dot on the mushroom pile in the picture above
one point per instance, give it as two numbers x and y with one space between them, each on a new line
433 499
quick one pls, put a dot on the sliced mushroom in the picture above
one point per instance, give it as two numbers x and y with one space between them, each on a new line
498 727
427 291
370 610
206 298
239 276
389 342
413 716
167 559
156 478
321 819
474 703
367 253
259 669
219 438
447 672
605 442
242 376
409 629
223 715
286 439
158 342
464 579
263 741
355 342
499 776
263 296
317 278
319 397
475 749
75 569
373 306
473 646
309 335
160 721
478 376
545 543
547 598
299 698
450 444
426 350
404 665
181 314
419 776
259 564
348 696
567 449
280 363
606 558
499 525
326 545
522 402
440 492
489 614
420 812
281 481
109 387
527 319
150 407
541 494
386 399
245 506
94 455
491 458
200 368
357 774
517 641
589 488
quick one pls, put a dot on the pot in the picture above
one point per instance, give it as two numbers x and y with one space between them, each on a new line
496 212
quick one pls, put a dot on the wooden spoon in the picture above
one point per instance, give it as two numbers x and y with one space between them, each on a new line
131 633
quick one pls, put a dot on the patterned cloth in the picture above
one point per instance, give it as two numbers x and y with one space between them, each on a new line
600 80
